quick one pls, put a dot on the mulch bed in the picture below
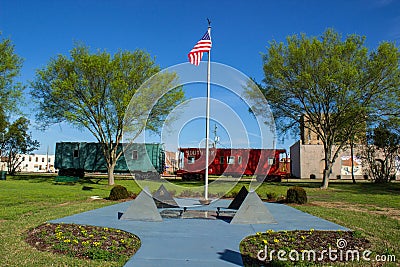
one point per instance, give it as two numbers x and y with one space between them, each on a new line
294 248
84 241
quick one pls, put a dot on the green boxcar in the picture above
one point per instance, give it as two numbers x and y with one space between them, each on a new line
76 158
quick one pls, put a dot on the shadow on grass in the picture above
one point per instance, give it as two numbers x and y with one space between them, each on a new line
34 178
370 188
50 179
361 187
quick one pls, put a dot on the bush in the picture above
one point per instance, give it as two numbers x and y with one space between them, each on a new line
118 192
271 196
296 195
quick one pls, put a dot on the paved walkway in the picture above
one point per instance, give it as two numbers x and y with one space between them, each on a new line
195 242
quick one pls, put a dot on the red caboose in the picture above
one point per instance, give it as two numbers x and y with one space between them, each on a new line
268 164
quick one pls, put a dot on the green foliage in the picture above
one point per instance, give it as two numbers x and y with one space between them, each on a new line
296 195
94 90
10 66
118 192
329 86
296 241
89 242
70 89
10 91
271 196
381 151
386 136
18 141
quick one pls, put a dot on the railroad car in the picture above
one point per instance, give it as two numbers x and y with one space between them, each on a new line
265 164
76 158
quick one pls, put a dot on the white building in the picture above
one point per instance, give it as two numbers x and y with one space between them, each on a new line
37 163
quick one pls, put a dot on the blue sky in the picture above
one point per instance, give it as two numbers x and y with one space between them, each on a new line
168 30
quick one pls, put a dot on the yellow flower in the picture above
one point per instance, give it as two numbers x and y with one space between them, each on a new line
59 235
104 237
75 241
258 233
67 240
270 231
96 244
85 243
303 237
122 241
265 241
276 240
105 228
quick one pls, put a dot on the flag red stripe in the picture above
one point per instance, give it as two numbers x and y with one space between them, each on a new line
204 45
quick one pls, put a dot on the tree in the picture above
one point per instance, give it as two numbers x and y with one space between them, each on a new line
356 133
382 148
10 91
17 142
93 91
10 65
328 83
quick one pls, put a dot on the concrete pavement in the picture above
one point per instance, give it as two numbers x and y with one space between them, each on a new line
195 242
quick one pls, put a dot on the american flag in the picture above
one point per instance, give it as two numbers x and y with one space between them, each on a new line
204 45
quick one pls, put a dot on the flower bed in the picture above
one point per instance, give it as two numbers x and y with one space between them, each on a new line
303 248
83 241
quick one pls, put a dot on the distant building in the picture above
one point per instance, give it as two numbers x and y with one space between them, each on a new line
37 163
171 162
308 137
308 159
3 163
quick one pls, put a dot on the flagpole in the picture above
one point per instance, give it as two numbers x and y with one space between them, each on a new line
207 116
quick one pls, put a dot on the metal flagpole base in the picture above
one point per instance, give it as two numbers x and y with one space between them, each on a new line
205 201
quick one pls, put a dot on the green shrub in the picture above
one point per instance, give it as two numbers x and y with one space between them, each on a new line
271 196
118 192
296 195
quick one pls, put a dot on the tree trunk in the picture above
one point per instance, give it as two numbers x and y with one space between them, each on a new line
352 161
327 168
110 173
9 163
325 180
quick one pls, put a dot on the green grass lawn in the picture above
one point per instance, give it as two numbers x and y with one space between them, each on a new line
27 201
30 200
372 209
